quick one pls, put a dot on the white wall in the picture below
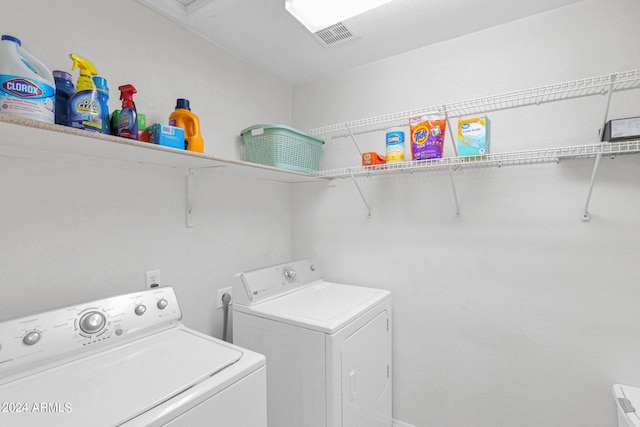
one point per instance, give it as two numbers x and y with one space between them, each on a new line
517 313
76 229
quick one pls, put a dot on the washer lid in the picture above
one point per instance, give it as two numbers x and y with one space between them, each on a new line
628 402
323 306
115 386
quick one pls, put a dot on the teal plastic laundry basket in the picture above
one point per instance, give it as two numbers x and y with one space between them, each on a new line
282 147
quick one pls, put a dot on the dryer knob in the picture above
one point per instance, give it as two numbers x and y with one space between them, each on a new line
314 267
31 338
290 274
162 304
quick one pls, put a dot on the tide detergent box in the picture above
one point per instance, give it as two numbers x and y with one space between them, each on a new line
427 136
473 136
372 158
167 136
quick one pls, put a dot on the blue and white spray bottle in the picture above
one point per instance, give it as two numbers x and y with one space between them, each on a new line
84 109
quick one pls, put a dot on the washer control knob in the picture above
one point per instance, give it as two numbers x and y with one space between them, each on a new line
162 304
290 274
31 338
92 322
314 267
140 309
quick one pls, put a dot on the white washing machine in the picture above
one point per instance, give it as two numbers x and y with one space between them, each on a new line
125 361
328 346
627 400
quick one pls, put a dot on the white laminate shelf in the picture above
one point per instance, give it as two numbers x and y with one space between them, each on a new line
21 137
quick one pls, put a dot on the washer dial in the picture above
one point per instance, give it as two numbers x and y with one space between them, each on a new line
140 309
92 322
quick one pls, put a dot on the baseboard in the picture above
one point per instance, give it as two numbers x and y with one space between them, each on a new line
397 423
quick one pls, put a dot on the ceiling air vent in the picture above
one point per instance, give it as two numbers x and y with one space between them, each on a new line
337 33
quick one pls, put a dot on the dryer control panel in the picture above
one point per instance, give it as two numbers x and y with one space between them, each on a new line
60 335
260 285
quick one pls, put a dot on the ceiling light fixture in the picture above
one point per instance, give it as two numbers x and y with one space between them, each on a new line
319 14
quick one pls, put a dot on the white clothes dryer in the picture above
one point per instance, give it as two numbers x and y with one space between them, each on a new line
125 361
328 346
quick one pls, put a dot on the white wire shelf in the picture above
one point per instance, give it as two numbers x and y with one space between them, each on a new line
545 155
556 92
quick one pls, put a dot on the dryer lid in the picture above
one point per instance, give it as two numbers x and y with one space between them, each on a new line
628 402
323 306
117 385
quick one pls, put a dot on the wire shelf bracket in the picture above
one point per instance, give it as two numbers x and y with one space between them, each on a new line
190 174
585 213
455 193
364 199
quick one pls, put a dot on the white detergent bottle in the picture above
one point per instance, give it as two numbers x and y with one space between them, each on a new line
27 87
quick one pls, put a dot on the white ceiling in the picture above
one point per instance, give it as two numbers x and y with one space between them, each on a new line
263 33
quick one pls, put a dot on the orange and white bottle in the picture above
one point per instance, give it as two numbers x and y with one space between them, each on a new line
183 118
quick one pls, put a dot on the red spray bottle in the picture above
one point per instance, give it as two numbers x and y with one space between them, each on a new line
128 121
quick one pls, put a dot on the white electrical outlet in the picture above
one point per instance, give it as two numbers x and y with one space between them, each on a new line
221 292
153 279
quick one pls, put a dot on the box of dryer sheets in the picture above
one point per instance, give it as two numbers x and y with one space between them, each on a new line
621 129
167 136
473 136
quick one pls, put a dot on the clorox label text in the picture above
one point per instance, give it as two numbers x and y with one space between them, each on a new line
22 88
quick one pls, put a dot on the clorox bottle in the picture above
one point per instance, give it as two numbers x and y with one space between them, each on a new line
27 87
85 108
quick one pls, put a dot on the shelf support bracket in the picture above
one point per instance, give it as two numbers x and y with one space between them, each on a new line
455 193
353 138
190 174
364 199
585 213
451 134
455 150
